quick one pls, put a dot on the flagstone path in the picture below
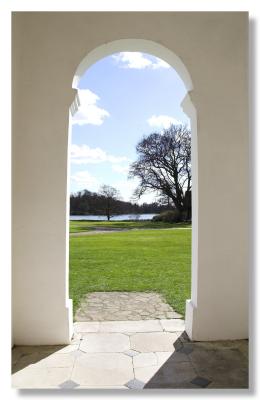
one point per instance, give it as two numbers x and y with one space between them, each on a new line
124 306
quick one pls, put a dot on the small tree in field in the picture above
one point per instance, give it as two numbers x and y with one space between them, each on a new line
111 197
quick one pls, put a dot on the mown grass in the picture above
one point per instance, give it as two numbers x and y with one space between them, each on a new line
85 226
141 260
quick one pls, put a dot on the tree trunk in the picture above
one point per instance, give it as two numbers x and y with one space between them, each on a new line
187 205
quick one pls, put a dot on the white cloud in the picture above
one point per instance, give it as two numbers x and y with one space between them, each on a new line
120 169
83 154
162 121
88 112
127 188
160 64
137 60
84 180
150 197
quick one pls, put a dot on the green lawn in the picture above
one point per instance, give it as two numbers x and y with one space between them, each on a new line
144 260
84 226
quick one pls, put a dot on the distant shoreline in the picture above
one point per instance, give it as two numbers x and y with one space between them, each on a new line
118 217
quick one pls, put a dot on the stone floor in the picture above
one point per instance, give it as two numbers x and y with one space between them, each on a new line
132 355
124 306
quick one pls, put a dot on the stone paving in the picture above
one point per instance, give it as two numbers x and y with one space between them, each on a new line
132 355
124 306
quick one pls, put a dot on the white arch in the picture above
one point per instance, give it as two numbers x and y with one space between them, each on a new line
162 52
145 46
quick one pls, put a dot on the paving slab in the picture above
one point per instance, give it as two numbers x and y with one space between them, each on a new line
105 342
173 325
171 374
47 349
152 342
145 374
103 369
57 360
145 360
86 327
131 326
164 356
68 349
16 355
42 360
223 366
40 378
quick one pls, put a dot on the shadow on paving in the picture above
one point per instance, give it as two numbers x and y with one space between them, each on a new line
23 356
192 365
220 364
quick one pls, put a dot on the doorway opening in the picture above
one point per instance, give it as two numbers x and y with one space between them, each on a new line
106 271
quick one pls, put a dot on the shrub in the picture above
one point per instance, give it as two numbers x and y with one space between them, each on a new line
170 216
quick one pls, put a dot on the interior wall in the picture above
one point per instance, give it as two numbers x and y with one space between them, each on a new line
47 49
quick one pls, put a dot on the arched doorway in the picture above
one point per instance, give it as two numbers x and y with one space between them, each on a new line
155 49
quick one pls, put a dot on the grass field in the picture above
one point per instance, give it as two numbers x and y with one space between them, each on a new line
85 226
138 260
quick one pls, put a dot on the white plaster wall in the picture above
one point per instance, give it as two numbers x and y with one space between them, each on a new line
47 49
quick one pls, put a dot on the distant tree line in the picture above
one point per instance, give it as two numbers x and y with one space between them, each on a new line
163 166
86 202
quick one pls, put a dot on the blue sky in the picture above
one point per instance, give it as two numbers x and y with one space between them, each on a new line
122 98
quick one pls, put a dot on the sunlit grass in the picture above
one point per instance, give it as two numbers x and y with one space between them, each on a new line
141 260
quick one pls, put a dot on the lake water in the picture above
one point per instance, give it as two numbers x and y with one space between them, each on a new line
121 217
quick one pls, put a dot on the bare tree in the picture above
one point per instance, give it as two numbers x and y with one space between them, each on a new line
111 196
164 166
